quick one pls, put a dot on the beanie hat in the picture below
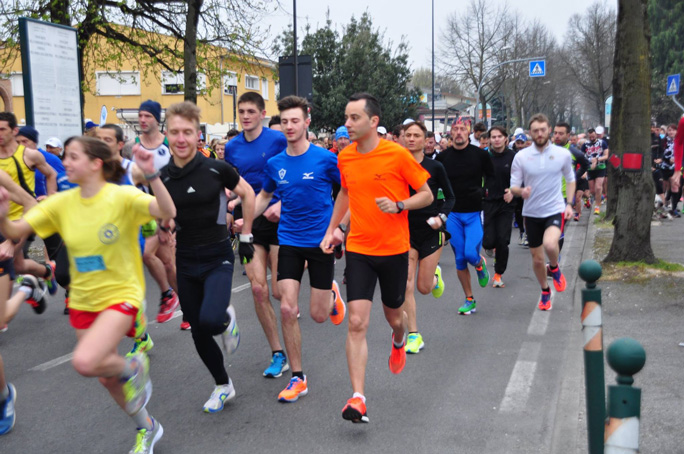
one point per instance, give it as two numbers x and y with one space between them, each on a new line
152 107
341 132
29 132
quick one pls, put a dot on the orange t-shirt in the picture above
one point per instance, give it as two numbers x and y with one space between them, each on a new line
387 171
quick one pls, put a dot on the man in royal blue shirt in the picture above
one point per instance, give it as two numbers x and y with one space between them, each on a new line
248 153
303 175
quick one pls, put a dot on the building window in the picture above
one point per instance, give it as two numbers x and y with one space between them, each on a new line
264 88
229 80
17 81
252 82
174 83
122 83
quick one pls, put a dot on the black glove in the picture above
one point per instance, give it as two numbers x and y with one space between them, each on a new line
246 248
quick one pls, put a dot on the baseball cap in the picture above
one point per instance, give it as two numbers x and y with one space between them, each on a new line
382 130
54 142
518 131
408 120
521 137
600 130
89 125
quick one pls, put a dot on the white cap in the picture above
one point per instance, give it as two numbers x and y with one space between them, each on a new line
438 137
54 142
382 130
518 131
599 130
407 121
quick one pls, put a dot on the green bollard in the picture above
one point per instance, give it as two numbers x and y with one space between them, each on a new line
590 272
626 357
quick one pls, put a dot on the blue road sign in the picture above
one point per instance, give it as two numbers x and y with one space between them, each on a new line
538 68
673 85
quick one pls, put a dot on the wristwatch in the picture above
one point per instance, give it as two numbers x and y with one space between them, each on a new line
400 207
443 217
342 227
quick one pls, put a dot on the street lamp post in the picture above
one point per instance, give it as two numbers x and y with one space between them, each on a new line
479 88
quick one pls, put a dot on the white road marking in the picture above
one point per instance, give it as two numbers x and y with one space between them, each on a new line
66 358
520 383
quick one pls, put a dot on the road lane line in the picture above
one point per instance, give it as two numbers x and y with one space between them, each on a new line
519 385
538 323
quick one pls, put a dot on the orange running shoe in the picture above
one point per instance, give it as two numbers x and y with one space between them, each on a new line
397 359
339 309
294 390
558 279
545 301
355 410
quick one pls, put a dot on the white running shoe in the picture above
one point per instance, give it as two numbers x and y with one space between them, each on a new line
219 396
231 336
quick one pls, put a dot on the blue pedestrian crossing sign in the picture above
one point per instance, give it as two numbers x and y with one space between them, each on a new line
538 68
673 85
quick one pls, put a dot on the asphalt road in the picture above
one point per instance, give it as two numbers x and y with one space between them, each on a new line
492 382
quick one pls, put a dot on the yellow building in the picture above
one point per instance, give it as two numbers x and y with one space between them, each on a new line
121 90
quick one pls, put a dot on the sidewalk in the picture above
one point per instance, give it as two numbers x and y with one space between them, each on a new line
649 307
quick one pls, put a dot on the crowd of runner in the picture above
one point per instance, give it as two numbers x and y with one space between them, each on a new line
288 201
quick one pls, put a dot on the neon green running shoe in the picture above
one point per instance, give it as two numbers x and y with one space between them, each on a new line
142 345
482 273
146 439
138 388
414 343
468 307
438 291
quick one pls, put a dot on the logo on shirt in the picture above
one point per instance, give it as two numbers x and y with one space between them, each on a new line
281 173
191 190
308 176
108 234
378 177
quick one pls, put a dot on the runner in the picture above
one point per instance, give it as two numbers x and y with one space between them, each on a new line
540 168
99 223
248 153
427 230
204 254
497 206
375 175
561 137
466 165
304 175
596 150
158 255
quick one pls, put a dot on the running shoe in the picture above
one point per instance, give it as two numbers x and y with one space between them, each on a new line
38 291
497 282
675 214
146 439
521 240
482 273
278 366
295 389
220 395
50 278
231 336
597 210
587 203
489 252
438 291
7 415
4 328
558 279
469 307
397 359
414 343
525 243
167 307
185 325
545 301
576 217
141 345
355 410
138 388
339 309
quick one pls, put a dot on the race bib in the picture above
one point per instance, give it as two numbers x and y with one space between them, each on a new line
90 263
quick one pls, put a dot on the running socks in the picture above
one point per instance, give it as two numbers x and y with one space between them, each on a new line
553 268
403 341
478 268
299 374
278 351
360 396
143 420
168 293
546 290
28 291
4 394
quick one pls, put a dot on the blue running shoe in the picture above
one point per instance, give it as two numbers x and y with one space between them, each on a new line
7 415
50 278
278 366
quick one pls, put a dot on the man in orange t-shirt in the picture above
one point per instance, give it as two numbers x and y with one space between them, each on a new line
376 175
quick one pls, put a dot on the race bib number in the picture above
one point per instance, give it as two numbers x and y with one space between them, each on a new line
90 263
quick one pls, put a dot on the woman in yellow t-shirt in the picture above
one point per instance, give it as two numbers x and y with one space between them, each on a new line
99 222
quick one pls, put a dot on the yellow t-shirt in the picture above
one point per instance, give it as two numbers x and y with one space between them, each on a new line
9 165
101 236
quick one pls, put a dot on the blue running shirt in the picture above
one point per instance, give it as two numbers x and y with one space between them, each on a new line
305 186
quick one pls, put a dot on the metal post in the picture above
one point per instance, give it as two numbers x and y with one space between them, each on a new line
677 102
294 30
433 65
626 357
233 89
590 271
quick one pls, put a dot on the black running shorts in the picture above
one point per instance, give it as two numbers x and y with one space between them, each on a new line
265 232
596 173
535 228
291 260
582 184
426 240
363 271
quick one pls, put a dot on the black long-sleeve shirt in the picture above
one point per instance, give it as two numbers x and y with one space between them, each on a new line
496 185
582 164
465 169
438 180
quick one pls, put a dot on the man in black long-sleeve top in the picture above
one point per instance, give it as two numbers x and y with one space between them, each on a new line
497 207
466 165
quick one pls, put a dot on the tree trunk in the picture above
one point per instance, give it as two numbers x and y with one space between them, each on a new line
190 50
631 133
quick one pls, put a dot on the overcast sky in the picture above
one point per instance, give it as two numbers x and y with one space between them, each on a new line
412 19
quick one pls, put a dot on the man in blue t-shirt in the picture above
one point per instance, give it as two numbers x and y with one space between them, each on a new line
303 175
248 153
